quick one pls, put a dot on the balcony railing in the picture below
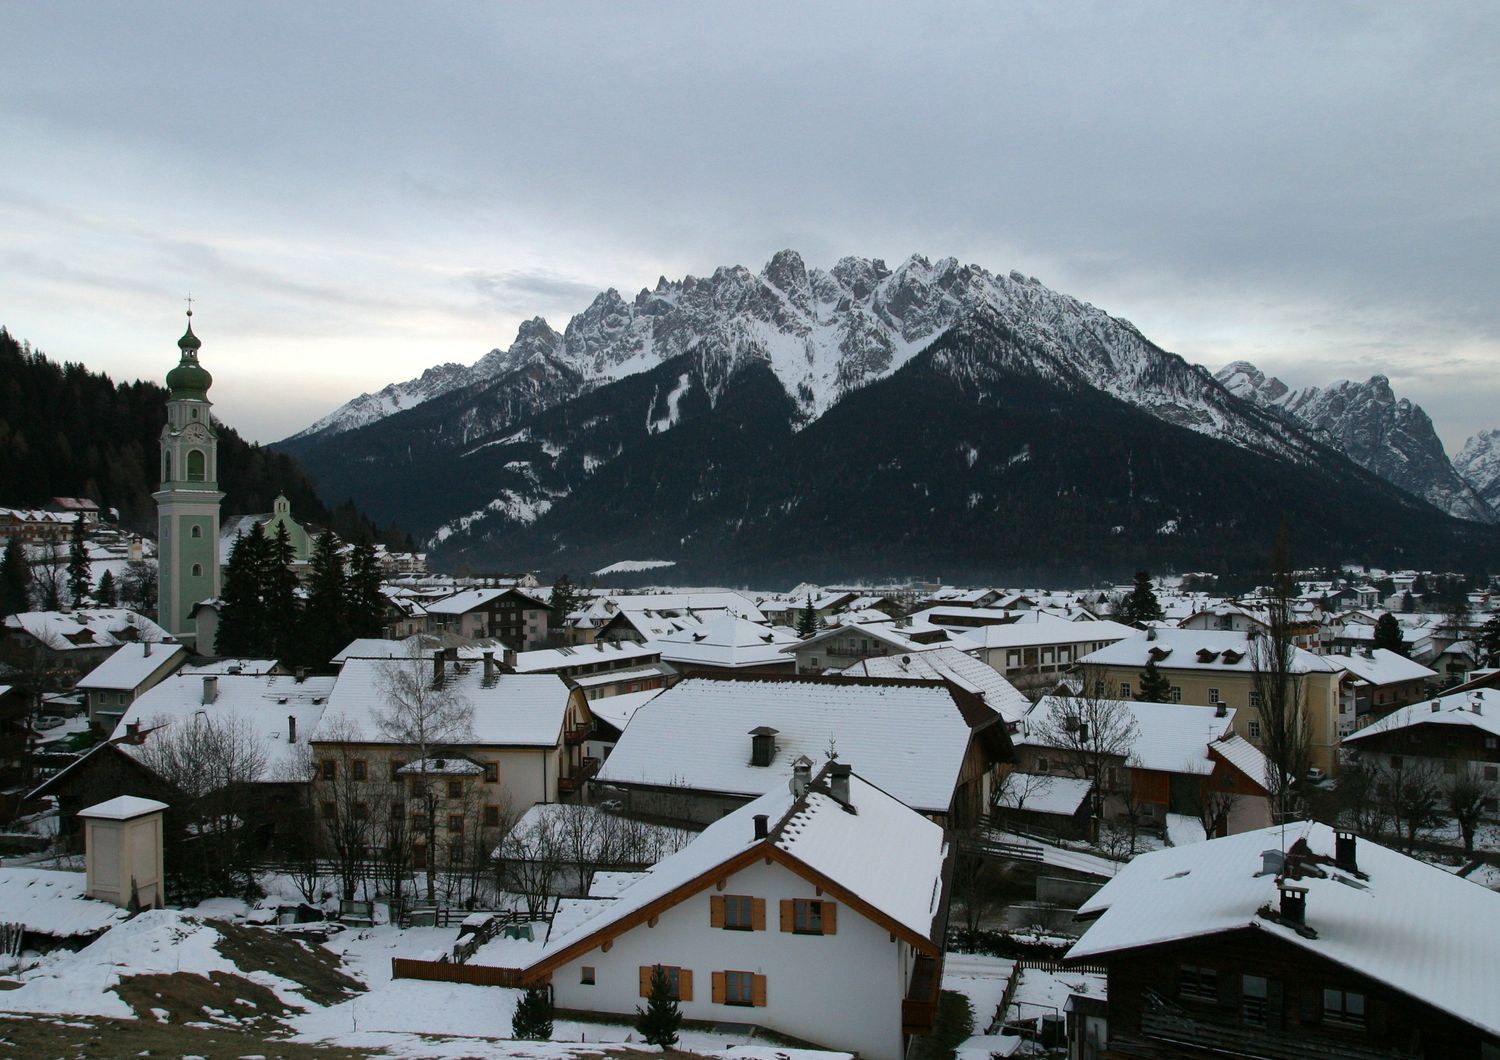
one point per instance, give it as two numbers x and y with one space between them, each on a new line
576 734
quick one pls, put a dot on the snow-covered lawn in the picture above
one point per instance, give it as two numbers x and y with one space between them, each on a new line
980 978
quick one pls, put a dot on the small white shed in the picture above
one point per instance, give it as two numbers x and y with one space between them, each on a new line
123 850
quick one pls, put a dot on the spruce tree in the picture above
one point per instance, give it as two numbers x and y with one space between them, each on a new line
564 601
657 1023
1141 606
242 616
105 593
532 1018
1489 640
366 603
1156 687
325 616
15 579
1388 634
278 583
78 563
807 620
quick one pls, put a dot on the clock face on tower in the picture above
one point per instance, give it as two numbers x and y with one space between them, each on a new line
195 433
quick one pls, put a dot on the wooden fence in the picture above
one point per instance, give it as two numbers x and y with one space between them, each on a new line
445 971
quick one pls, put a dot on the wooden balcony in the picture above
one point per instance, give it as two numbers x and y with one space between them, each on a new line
919 1007
576 734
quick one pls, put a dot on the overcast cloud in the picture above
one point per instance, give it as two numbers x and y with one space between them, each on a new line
354 194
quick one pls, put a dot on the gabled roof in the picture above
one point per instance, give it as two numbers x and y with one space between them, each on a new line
93 627
1452 712
1044 629
874 853
1198 649
1414 927
132 665
1169 737
904 635
461 603
544 660
517 710
724 642
949 664
909 737
1383 667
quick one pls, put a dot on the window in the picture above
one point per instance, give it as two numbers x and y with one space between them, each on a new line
1253 1000
739 988
1013 658
1213 695
815 662
1492 773
491 772
1124 689
1254 730
398 811
808 916
1099 688
1176 696
586 975
492 817
737 912
358 770
679 980
396 765
197 531
196 466
1043 765
1197 983
1344 1007
330 769
455 789
1254 700
419 822
361 811
195 413
197 570
455 822
330 811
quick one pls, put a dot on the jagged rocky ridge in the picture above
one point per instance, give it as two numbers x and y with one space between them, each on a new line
1479 463
1365 421
708 419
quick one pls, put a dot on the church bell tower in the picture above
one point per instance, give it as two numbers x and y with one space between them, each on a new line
187 504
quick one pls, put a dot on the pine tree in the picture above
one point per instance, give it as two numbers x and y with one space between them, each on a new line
657 1023
78 563
1388 634
366 603
325 617
278 590
105 593
1489 640
532 1018
1141 606
564 601
15 579
1156 687
807 620
242 618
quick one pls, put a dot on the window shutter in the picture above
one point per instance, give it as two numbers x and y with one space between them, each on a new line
1229 990
758 914
1275 1004
758 991
719 990
1376 1014
830 918
684 985
645 980
788 921
716 910
1312 1005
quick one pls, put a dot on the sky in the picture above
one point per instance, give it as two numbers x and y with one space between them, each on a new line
354 193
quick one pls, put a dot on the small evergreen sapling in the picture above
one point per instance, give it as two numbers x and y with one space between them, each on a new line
807 621
1156 687
532 1019
659 1020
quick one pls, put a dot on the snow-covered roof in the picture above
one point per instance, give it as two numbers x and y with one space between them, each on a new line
610 677
908 737
517 710
1198 649
1044 792
618 710
908 635
123 808
132 665
724 642
463 602
254 667
263 704
456 766
544 660
52 903
593 834
1453 712
950 664
1407 924
1245 757
93 627
1169 737
855 851
1044 629
1383 667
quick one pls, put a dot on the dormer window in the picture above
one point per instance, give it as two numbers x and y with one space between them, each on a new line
762 745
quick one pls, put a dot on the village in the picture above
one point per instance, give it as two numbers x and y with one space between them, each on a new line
261 785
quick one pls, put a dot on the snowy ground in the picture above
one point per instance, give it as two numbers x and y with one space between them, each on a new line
980 978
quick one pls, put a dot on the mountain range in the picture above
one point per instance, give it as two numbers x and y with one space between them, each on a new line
857 421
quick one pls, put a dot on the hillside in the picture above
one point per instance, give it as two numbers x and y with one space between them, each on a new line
66 431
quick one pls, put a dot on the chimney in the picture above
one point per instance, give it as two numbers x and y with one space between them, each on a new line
508 658
210 690
838 782
1221 710
762 745
1476 705
801 776
291 728
599 644
132 731
1436 706
1293 902
489 666
437 668
146 649
1344 850
300 674
761 823
1271 863
1150 633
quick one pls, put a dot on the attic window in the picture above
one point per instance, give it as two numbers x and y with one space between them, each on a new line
1207 655
762 745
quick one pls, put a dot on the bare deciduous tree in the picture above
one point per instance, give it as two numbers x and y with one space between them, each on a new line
1214 810
1467 795
1092 733
1414 799
1278 679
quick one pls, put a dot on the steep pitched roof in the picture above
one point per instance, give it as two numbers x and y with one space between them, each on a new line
947 663
724 642
1420 930
1452 712
132 665
1198 649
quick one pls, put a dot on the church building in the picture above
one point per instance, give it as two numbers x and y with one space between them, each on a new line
187 503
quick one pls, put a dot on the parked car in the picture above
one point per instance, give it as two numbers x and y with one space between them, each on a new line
47 721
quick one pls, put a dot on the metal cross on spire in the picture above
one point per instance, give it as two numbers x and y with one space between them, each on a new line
189 301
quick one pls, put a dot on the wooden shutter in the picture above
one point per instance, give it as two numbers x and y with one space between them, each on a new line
1312 1005
1229 990
1275 1004
645 980
758 914
684 984
830 918
758 991
788 915
716 910
719 989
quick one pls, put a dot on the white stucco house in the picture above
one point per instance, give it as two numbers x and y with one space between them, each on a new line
816 911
